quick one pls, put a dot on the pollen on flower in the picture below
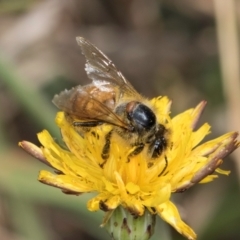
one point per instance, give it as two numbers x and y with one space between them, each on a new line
141 183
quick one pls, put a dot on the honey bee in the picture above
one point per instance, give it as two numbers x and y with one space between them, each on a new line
111 99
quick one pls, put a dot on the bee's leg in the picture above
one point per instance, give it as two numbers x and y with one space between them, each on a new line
106 147
87 124
136 151
84 127
165 167
158 146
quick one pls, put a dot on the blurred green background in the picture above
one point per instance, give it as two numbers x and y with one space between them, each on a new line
187 50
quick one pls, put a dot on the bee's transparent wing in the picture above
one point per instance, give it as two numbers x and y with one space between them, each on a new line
100 68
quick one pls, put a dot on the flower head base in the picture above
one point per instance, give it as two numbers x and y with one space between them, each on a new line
122 225
139 183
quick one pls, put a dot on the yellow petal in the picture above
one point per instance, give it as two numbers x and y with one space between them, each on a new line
65 182
94 203
221 171
169 213
201 133
158 197
132 188
209 178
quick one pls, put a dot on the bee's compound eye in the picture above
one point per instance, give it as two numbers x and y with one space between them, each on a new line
141 116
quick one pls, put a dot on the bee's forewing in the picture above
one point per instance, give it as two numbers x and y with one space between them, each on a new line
100 68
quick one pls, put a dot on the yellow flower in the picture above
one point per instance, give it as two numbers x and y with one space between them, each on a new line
140 183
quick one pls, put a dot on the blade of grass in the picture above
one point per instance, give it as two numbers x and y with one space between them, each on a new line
31 100
228 42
